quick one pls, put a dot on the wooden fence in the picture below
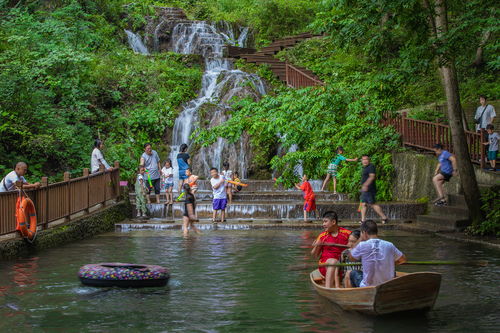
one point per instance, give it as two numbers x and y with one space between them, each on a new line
295 78
425 134
61 200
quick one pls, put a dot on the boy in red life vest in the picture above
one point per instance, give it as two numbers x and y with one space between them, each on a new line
309 197
330 254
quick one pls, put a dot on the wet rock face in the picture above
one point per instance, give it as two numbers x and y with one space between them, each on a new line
159 27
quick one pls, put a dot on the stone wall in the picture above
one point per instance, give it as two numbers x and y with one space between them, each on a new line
414 174
85 227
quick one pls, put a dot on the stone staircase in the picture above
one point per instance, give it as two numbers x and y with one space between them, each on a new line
451 218
266 55
263 203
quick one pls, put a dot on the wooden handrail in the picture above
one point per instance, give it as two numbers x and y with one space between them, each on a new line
296 78
424 134
61 200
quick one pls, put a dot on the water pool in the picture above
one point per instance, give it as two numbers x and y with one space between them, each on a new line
231 281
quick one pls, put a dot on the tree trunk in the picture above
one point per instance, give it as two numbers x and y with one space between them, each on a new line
461 149
479 61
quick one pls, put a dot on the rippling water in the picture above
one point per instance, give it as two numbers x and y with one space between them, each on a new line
231 281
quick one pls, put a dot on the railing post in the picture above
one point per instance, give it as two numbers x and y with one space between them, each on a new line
286 74
116 178
86 173
103 183
482 163
67 176
403 128
44 182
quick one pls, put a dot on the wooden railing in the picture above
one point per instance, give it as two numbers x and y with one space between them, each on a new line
425 134
59 201
295 78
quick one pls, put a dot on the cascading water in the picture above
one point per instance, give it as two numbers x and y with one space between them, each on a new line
220 83
136 43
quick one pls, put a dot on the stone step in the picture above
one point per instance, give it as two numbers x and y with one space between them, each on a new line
456 200
444 221
289 210
427 227
452 211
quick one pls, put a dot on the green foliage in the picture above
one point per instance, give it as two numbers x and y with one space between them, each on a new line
491 209
66 76
317 121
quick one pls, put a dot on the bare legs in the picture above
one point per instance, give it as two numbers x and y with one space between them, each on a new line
169 195
222 215
438 182
229 194
325 182
332 277
315 212
187 224
376 208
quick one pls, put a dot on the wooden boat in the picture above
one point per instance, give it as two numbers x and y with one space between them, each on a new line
406 292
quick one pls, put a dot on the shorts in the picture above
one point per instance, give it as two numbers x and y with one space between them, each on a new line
368 197
446 176
332 169
356 277
182 175
219 204
156 185
310 205
492 155
166 186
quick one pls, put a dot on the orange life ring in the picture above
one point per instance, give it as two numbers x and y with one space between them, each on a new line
26 218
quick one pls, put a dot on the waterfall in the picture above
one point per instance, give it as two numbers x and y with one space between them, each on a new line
136 43
220 83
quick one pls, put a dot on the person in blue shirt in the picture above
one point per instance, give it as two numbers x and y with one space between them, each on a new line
446 168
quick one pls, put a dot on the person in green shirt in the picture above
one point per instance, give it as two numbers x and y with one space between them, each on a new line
332 169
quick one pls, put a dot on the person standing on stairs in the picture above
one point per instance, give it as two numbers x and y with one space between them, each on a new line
151 162
485 114
492 144
183 161
332 169
446 168
228 175
369 190
220 196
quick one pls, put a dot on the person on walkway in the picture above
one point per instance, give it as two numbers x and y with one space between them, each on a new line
167 174
378 258
192 180
333 169
445 169
97 158
151 162
228 175
8 183
369 190
309 197
330 254
140 192
485 114
492 144
183 161
220 196
189 216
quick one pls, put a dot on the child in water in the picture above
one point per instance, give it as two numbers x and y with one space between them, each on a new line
167 175
309 197
228 175
191 180
333 169
140 192
344 258
189 216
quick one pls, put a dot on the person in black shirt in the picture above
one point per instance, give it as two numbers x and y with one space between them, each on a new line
189 216
369 190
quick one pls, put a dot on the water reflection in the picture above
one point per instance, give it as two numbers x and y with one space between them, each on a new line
231 281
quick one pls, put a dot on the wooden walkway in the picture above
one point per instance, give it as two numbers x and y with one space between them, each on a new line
292 76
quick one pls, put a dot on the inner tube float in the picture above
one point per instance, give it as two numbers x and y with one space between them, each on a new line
26 218
123 275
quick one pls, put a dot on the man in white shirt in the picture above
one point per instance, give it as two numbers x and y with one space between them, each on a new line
485 114
8 183
220 196
378 258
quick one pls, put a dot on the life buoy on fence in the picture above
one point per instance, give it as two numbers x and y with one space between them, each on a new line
26 217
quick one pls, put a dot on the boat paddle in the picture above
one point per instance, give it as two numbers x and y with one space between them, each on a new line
481 263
